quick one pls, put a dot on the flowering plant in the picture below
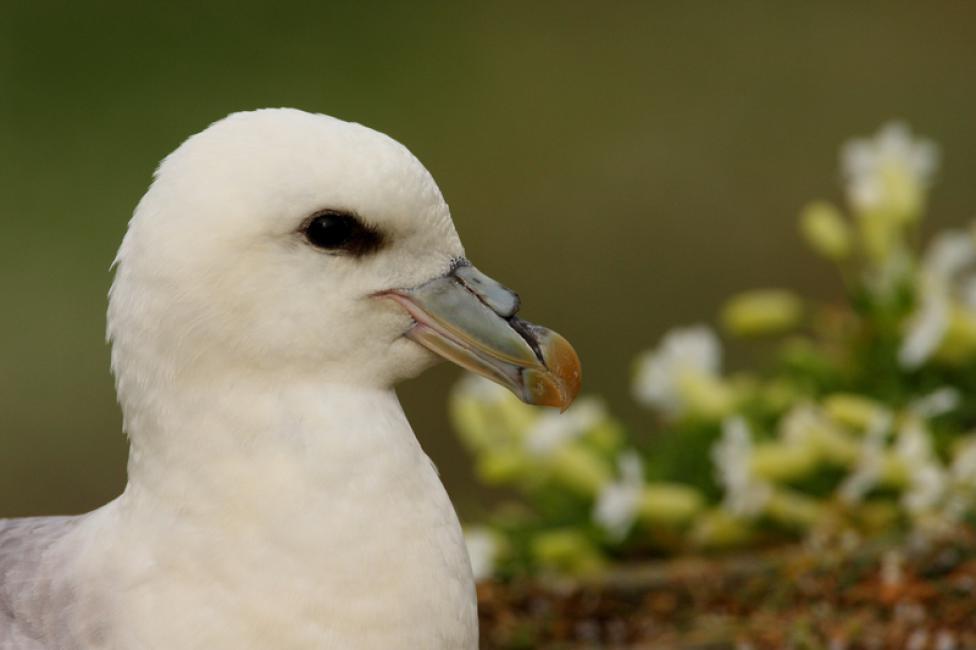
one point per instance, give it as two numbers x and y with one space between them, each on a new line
863 424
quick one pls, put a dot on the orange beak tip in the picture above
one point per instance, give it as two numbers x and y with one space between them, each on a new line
559 384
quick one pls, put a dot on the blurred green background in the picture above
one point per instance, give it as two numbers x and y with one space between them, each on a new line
625 166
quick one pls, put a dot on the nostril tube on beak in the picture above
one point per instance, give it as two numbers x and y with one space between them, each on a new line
502 300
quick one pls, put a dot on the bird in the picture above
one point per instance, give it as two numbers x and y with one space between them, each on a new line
282 273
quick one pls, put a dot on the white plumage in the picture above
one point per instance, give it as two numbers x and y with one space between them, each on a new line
277 497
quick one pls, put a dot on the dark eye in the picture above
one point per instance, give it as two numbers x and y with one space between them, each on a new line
341 232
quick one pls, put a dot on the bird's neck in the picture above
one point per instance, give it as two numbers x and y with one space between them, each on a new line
298 511
252 443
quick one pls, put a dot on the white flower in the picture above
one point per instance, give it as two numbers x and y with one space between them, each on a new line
745 494
967 292
552 430
964 465
927 480
927 487
694 350
950 253
889 172
617 504
483 549
927 325
938 402
868 469
948 256
962 476
799 424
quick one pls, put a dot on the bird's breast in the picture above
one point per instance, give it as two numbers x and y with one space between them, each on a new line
310 519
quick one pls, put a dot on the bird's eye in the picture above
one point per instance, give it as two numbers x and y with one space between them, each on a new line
342 233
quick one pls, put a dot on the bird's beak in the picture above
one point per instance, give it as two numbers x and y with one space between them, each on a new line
468 318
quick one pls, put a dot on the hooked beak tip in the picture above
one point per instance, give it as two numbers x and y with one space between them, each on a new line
559 383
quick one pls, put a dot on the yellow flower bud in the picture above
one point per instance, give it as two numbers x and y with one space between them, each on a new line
778 462
669 504
880 235
877 516
717 529
567 551
767 311
705 395
486 422
606 436
826 231
959 343
854 411
893 472
835 446
779 394
793 509
904 193
579 469
469 421
502 466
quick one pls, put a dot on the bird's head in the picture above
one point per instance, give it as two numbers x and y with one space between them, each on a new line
282 241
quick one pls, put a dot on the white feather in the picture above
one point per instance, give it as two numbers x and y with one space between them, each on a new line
277 497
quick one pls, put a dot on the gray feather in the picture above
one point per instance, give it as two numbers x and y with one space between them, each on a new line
30 591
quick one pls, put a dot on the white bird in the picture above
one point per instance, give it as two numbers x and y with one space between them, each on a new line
282 273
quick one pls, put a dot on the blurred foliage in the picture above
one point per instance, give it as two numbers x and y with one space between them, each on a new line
862 422
612 162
